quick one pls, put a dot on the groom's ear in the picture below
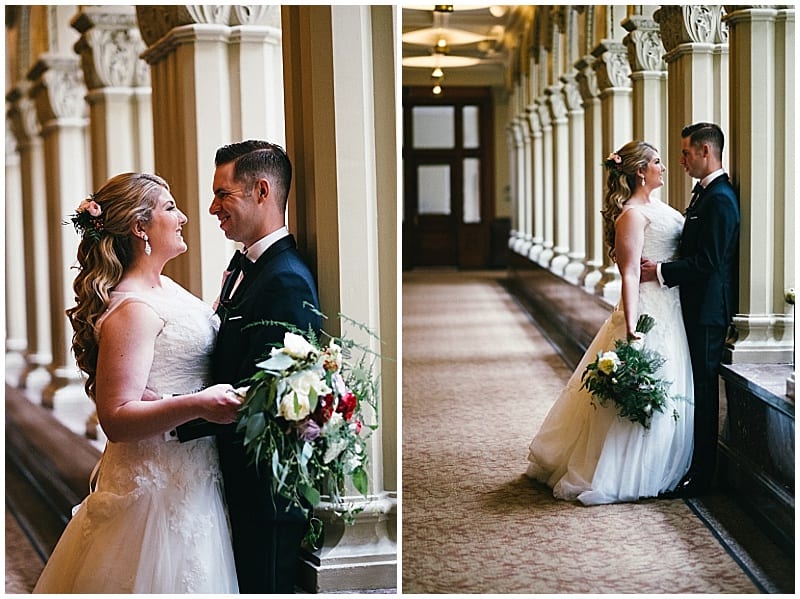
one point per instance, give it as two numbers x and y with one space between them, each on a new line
262 189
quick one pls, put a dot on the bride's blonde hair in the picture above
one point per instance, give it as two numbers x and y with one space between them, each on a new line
104 253
623 172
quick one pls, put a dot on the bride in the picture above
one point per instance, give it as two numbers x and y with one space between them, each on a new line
586 452
155 521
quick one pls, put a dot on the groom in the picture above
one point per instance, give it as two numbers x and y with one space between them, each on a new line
707 272
269 281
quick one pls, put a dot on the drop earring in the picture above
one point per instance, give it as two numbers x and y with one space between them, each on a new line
642 180
147 248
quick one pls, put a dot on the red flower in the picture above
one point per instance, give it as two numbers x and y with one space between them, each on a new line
347 405
324 409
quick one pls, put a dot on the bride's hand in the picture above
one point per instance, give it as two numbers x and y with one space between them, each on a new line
220 403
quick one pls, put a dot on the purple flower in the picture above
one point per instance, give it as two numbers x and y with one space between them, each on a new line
308 430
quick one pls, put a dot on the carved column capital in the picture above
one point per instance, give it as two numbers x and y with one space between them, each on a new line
572 94
110 46
587 78
555 98
612 66
157 21
22 113
691 24
58 88
645 49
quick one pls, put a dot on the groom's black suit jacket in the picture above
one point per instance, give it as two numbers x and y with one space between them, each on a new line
266 537
707 266
707 272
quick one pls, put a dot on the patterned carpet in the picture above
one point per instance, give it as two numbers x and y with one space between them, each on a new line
478 380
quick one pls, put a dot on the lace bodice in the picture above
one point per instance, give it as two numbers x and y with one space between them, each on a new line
183 347
663 233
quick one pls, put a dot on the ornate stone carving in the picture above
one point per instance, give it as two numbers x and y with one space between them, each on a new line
612 66
701 22
572 94
58 88
587 78
157 21
691 24
645 50
110 46
256 14
22 113
555 98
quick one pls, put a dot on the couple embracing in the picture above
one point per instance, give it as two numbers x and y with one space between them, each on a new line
177 506
682 271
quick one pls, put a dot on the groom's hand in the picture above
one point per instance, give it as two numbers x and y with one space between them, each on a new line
648 271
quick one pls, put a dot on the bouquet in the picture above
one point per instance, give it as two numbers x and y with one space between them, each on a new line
302 418
626 376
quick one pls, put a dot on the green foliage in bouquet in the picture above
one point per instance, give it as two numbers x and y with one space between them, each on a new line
302 417
626 376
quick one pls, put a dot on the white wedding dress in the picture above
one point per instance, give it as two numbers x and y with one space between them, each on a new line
591 454
156 522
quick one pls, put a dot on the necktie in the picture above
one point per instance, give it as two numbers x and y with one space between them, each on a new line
696 191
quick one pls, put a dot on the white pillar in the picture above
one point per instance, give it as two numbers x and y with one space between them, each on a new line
765 330
527 182
577 176
695 58
59 92
119 91
341 123
201 63
35 232
613 74
537 182
649 83
561 167
547 173
16 341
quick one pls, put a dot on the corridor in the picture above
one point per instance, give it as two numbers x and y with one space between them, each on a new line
478 379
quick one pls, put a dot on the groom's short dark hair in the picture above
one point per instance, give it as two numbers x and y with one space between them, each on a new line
705 133
256 158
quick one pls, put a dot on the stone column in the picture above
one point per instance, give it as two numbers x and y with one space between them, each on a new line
59 91
537 182
594 182
196 56
548 233
340 107
525 182
577 180
613 77
757 146
649 82
23 119
561 168
16 341
519 187
514 233
119 91
696 56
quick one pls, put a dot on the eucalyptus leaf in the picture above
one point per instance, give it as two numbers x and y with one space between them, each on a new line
277 363
255 426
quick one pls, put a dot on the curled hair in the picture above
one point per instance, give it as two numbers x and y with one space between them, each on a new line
126 199
621 182
255 159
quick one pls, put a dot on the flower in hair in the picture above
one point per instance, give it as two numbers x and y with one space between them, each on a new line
614 162
88 219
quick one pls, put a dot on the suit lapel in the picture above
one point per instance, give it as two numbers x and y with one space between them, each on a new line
283 244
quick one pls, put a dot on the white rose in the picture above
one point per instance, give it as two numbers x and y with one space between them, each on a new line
638 344
297 346
294 406
608 362
336 420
